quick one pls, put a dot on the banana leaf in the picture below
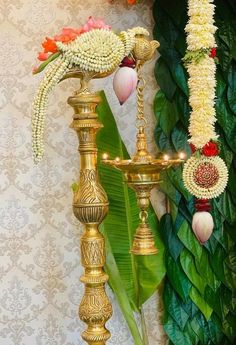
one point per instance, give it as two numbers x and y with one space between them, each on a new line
132 278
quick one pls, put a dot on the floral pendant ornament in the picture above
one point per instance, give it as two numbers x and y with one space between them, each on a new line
205 177
205 174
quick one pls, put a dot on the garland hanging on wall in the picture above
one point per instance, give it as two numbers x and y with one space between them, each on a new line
205 174
200 284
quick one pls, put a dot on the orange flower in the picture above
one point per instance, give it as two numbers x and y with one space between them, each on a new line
131 2
49 46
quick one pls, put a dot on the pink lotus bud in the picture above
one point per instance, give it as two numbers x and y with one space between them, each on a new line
124 83
202 225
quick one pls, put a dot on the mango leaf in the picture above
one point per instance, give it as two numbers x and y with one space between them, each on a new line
175 334
231 92
200 303
187 237
188 265
206 272
217 263
190 308
173 305
163 141
215 332
171 240
226 33
180 139
175 175
164 79
183 109
180 77
227 207
214 299
227 121
177 278
198 329
175 13
168 188
139 276
166 112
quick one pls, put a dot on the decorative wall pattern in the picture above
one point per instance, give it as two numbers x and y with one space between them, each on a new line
39 236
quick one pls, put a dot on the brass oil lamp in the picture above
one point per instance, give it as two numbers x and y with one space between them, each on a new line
142 171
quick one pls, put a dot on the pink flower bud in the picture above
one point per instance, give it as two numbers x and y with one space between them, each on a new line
124 83
202 225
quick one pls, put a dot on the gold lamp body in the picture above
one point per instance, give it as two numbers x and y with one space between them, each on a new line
90 206
142 172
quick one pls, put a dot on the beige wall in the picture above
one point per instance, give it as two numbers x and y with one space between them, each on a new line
39 237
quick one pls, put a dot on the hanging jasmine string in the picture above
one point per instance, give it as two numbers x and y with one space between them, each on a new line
205 174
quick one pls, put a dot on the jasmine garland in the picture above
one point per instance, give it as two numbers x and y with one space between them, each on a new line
205 175
93 48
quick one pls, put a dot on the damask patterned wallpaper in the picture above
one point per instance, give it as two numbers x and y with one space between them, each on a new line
39 236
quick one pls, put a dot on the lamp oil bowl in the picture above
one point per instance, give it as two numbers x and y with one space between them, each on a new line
142 174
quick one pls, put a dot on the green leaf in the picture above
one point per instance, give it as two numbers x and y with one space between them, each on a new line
177 278
173 305
121 223
175 334
163 142
206 272
175 175
215 332
180 77
231 93
227 34
226 207
164 79
198 329
219 300
180 139
227 121
188 265
183 109
217 261
171 241
187 237
166 113
200 303
169 189
117 286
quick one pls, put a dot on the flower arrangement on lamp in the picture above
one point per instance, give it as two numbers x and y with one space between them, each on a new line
205 174
94 49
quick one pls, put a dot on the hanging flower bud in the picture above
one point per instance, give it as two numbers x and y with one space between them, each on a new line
202 225
124 83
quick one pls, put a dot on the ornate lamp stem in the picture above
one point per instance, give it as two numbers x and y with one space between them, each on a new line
90 206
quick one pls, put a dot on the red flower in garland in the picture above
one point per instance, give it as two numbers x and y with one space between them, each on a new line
213 53
192 147
210 149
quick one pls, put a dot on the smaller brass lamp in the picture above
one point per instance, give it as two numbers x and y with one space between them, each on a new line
142 171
